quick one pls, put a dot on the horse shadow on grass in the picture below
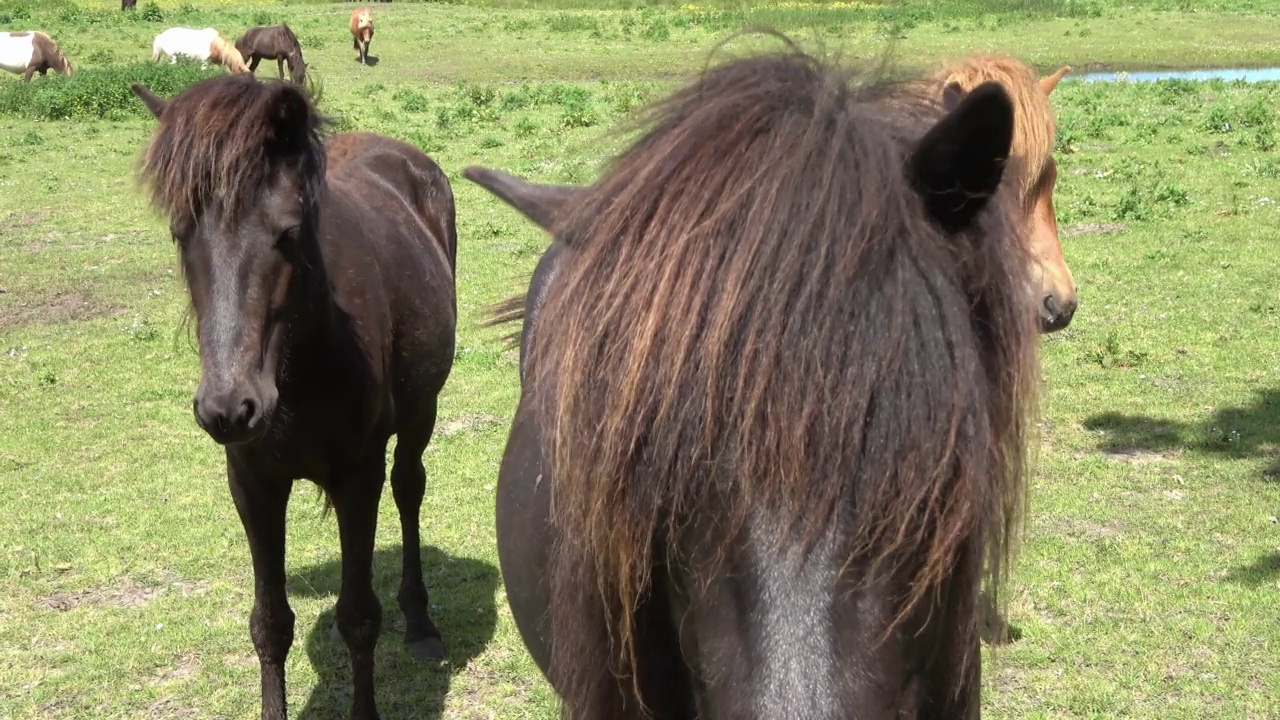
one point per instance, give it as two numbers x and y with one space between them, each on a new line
1249 431
1243 432
462 592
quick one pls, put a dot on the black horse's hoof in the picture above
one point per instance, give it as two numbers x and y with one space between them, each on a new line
426 650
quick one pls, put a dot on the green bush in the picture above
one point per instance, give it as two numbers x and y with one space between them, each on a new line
95 93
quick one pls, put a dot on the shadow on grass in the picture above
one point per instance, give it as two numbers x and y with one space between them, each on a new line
462 592
1233 432
1263 571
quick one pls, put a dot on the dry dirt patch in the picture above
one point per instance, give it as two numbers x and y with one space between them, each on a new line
18 308
124 593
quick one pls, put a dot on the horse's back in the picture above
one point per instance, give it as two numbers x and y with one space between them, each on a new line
16 50
392 176
399 205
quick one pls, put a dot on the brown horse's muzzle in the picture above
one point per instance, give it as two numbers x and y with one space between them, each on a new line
231 417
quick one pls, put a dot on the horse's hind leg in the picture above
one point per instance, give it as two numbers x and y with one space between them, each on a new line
408 484
358 613
262 504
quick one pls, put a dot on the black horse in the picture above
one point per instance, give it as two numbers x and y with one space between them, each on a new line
776 369
322 279
273 43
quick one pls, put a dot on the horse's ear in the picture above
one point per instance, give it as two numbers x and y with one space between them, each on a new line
952 94
1049 82
290 115
153 101
958 164
540 203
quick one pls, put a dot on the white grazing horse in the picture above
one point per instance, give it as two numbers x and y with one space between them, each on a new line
206 45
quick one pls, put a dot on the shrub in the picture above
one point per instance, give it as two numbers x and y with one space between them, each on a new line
96 93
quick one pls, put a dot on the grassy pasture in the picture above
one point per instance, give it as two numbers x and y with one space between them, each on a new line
1149 584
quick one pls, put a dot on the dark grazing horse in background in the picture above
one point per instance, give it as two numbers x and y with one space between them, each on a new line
322 279
776 392
277 43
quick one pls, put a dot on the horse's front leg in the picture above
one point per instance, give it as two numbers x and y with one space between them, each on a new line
26 76
280 67
261 503
359 614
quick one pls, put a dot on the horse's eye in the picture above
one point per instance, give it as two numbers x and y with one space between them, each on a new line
288 240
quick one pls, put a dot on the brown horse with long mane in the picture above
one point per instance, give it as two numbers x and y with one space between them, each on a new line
776 388
273 43
322 279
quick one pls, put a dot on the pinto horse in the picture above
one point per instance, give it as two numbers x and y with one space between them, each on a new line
322 279
273 43
29 53
362 33
777 385
206 45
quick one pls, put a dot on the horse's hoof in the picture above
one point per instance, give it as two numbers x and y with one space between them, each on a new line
427 650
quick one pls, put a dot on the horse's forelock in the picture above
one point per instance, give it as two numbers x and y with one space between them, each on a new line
758 302
217 143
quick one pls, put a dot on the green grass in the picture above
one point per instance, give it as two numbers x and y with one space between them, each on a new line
1149 584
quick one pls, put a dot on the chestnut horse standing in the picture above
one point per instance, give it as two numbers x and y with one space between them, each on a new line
273 43
776 387
322 278
1033 172
29 53
362 32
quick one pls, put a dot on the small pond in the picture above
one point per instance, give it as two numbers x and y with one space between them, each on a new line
1246 74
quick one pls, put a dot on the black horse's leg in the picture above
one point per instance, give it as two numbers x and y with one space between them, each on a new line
408 483
253 64
280 67
261 504
359 614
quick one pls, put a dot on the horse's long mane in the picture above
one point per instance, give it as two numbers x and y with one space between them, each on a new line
54 56
221 140
1034 126
759 310
224 52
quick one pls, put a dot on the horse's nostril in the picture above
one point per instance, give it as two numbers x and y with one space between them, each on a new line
1052 306
248 411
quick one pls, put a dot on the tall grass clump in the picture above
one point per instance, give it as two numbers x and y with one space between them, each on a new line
98 93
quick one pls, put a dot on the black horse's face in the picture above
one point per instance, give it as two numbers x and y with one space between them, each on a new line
770 631
241 277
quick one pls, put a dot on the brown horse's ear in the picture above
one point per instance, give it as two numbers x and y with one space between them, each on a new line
540 203
952 94
291 116
153 101
958 164
1049 82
